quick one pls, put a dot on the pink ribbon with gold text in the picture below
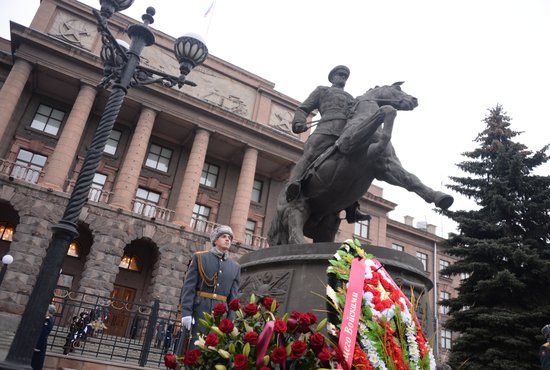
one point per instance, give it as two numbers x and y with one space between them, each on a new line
352 311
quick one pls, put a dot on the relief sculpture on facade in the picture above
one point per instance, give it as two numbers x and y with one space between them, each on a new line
275 284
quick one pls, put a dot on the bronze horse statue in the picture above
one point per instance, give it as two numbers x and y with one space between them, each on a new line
341 175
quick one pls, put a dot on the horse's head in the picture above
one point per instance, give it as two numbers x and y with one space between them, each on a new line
391 95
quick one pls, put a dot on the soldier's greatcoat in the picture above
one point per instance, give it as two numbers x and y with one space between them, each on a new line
210 275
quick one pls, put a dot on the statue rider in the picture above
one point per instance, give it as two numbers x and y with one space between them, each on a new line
335 106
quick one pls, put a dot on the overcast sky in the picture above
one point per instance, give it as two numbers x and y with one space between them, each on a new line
459 58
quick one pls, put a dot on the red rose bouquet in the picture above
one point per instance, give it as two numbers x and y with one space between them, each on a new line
258 339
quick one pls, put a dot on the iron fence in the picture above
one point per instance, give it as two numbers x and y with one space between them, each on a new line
88 325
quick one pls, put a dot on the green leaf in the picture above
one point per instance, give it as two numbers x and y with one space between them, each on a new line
321 324
246 349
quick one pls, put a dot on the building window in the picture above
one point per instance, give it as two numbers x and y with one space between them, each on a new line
444 310
257 188
446 339
28 166
423 257
443 264
97 187
464 275
362 229
112 142
209 176
130 262
6 232
398 247
146 202
199 220
249 231
47 119
158 158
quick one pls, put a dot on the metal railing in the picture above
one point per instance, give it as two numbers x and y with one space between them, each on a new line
88 325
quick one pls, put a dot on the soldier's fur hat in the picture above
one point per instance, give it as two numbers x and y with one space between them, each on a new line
219 231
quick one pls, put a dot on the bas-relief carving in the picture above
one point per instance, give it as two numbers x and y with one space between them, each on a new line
274 284
75 31
213 87
281 118
223 92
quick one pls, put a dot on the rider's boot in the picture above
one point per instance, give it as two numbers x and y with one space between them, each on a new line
354 214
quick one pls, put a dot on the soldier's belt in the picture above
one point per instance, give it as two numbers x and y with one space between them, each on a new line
217 297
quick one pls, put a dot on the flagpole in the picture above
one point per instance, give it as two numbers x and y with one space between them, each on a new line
209 13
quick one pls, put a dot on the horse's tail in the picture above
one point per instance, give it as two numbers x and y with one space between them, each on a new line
276 230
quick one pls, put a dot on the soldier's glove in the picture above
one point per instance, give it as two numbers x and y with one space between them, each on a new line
299 127
187 321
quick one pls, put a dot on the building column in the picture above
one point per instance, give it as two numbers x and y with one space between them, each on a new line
59 163
11 91
241 206
126 183
190 184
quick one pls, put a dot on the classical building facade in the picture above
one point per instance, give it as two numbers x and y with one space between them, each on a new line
178 162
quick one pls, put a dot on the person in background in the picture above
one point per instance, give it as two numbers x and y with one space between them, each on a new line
544 351
39 354
212 278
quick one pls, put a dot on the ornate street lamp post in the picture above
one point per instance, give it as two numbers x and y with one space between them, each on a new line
122 71
6 261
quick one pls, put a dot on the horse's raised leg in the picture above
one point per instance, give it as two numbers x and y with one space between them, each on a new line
393 173
361 133
297 213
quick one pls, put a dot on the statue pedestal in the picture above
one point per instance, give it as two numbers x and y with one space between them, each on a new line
296 276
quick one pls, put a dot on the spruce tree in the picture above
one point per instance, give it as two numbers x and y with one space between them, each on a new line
503 248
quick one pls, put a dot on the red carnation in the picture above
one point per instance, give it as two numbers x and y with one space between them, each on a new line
219 309
278 355
280 326
211 340
226 326
235 304
250 309
251 337
298 349
240 362
192 357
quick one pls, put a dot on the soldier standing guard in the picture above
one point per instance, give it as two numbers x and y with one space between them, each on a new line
212 278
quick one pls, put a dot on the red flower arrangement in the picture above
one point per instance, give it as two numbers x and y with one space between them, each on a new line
257 339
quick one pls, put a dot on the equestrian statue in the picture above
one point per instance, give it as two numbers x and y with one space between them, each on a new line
342 160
